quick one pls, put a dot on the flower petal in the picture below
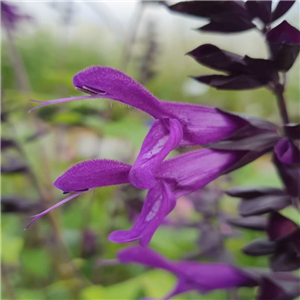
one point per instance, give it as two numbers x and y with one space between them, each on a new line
145 256
212 276
93 173
118 86
201 124
191 171
158 204
164 136
202 277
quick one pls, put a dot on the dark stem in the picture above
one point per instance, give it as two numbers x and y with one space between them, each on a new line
282 108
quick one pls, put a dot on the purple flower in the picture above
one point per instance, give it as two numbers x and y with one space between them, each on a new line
176 123
243 72
176 177
197 276
10 15
284 44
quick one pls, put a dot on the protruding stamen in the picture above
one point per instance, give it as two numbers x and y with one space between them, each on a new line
36 217
45 103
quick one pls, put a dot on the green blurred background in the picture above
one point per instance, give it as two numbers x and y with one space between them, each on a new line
62 256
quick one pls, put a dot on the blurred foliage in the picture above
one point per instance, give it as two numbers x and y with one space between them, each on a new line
50 260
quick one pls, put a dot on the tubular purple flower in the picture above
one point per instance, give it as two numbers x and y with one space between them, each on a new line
175 177
177 123
201 277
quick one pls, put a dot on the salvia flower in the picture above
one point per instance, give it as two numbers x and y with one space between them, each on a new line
176 177
176 124
191 276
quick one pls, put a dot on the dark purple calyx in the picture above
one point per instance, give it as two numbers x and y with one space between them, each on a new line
284 45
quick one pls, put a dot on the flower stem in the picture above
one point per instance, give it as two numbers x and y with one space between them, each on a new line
282 108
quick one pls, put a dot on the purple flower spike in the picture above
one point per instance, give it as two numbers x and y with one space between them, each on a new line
91 174
284 44
201 277
158 204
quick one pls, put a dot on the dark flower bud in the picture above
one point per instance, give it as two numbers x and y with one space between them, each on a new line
284 44
279 226
224 16
243 72
259 247
254 223
261 200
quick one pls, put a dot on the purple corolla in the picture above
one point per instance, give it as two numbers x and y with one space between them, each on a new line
191 276
177 124
175 177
